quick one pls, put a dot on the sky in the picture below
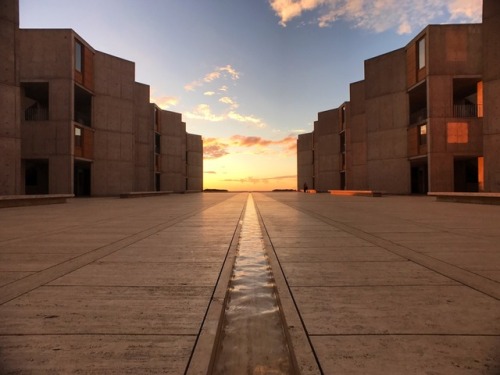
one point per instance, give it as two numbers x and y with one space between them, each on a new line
247 75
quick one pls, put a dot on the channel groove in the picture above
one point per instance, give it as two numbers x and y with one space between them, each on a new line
252 338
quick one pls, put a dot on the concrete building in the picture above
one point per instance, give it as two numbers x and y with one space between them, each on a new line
77 122
415 123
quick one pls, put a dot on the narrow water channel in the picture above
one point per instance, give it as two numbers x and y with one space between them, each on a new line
253 339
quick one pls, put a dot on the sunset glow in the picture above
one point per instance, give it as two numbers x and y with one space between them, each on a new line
248 75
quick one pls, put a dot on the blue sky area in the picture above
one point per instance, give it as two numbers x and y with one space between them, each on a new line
248 75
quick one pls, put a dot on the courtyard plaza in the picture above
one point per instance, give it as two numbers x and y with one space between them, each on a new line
386 285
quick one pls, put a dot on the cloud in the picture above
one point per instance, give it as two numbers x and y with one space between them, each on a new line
210 172
380 15
214 148
203 112
247 119
228 100
220 72
165 102
254 181
209 93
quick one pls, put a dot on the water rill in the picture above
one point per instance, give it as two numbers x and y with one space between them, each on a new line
253 339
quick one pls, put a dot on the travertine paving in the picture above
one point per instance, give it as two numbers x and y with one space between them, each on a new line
391 285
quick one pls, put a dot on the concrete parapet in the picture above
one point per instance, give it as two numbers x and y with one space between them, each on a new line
32 200
477 198
357 193
142 194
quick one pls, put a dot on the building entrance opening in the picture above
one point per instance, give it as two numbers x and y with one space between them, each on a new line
466 174
419 179
82 179
36 176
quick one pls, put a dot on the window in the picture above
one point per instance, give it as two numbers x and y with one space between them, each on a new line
78 137
422 135
83 106
36 101
78 56
421 53
157 143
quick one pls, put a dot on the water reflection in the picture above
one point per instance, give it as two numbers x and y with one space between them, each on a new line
253 339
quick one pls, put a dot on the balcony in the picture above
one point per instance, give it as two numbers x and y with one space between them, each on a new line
418 117
466 110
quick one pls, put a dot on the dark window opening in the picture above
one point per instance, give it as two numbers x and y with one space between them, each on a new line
342 181
343 118
465 98
466 174
419 179
157 143
82 179
78 56
83 107
36 176
36 101
157 182
418 104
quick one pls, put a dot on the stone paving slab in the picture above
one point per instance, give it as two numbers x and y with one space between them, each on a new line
452 310
106 310
336 254
142 274
407 354
361 274
95 354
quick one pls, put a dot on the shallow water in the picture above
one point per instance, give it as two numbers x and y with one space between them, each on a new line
253 339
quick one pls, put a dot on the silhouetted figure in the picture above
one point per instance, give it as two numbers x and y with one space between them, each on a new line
305 187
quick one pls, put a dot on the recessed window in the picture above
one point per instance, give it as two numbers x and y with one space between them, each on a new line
422 134
36 101
78 137
421 53
78 57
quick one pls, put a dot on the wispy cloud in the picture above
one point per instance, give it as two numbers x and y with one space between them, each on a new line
209 93
380 15
221 72
204 112
165 102
214 148
228 100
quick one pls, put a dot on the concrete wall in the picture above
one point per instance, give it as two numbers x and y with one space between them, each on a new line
356 173
10 130
173 151
491 76
386 107
113 169
326 150
46 56
144 139
305 159
194 147
453 51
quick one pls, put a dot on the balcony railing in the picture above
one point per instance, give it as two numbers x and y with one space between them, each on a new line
36 114
418 116
465 110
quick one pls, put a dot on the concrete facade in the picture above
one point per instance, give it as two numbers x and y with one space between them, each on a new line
77 122
10 126
491 77
415 123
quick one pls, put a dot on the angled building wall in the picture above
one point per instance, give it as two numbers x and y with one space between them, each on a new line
10 129
305 161
173 151
491 66
356 178
326 151
114 138
386 123
194 162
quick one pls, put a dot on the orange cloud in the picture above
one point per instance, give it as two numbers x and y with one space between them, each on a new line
380 15
165 102
214 148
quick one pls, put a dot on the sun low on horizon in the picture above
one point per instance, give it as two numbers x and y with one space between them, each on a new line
248 76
